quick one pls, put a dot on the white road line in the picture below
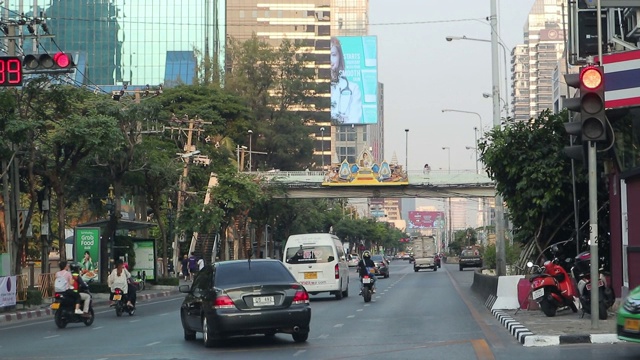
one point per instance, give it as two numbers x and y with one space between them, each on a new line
338 325
153 343
359 309
103 359
299 352
99 327
52 336
134 320
350 316
323 336
367 304
165 314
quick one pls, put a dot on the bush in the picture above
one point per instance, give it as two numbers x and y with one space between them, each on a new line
512 253
34 297
166 281
97 288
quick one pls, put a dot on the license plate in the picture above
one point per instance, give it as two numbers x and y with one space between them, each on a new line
117 297
55 306
310 275
263 301
537 294
588 286
366 280
632 325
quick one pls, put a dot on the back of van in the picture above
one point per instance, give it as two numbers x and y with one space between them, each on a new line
313 260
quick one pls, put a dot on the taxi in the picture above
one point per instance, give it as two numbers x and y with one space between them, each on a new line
628 322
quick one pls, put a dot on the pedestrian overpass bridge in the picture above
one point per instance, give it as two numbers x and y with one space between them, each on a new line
435 184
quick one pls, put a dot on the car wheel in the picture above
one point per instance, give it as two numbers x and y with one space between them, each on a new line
300 337
206 334
346 292
415 269
338 293
461 268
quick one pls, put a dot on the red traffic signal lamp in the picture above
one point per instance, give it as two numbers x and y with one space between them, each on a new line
46 64
590 102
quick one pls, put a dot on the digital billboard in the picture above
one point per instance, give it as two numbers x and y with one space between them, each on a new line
354 80
426 219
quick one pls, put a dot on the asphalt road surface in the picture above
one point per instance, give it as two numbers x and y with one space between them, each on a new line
424 315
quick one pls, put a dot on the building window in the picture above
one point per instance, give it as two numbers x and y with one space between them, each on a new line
241 14
254 14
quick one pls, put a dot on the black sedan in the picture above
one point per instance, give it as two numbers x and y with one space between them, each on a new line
241 297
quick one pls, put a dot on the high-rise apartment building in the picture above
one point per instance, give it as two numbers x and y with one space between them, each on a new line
120 42
534 62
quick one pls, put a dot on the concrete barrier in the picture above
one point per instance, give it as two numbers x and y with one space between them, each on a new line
507 293
484 285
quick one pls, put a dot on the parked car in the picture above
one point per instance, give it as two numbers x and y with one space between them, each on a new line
241 297
382 266
628 323
354 259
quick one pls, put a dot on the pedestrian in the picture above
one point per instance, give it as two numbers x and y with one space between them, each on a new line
193 265
185 267
200 264
427 169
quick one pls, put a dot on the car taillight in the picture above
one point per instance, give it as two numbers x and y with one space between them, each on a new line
337 270
223 302
301 297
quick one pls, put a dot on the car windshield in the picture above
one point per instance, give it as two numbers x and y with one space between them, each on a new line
309 255
256 272
376 258
468 253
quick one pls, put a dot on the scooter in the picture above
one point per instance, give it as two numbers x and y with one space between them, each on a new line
367 287
581 272
64 306
120 303
552 287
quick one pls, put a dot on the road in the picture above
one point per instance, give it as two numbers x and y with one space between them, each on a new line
424 315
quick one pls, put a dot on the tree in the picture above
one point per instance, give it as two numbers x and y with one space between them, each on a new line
534 177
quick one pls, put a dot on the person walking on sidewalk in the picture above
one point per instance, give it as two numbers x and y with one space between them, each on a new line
185 267
193 265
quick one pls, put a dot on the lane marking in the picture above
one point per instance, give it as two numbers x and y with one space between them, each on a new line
52 336
299 352
165 314
99 327
103 359
482 350
350 316
359 309
367 304
134 320
338 325
323 336
153 343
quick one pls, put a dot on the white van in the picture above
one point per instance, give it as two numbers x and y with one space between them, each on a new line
318 262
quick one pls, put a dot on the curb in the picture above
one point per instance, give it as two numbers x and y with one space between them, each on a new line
529 339
46 311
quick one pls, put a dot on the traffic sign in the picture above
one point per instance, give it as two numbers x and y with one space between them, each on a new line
10 71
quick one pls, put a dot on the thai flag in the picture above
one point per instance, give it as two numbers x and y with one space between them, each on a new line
622 79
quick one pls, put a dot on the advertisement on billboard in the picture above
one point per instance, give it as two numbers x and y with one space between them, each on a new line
145 257
87 252
354 80
8 288
426 219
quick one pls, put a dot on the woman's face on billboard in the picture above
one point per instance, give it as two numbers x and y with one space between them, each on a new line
335 58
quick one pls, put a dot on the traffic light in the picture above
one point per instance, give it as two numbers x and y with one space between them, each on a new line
592 110
59 63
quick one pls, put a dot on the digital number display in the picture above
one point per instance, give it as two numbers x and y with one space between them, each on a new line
10 71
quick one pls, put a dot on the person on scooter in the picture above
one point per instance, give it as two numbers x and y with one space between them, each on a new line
118 279
65 274
364 265
81 288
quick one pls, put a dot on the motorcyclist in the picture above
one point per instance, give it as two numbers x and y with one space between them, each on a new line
364 266
81 288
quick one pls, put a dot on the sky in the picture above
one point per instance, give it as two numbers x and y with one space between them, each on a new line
423 74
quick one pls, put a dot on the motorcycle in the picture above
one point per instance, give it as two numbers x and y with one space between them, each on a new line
581 272
64 306
120 303
367 285
552 287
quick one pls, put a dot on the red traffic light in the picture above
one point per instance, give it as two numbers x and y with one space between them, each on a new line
591 77
62 60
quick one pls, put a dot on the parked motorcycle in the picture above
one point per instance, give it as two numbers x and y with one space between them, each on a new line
552 287
64 306
582 273
120 303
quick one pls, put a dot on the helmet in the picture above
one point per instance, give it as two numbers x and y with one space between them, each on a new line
366 254
75 268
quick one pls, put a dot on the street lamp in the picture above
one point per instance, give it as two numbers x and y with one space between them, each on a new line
504 50
111 208
406 152
165 259
466 112
322 146
250 137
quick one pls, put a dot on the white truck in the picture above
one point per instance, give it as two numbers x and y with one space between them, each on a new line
424 252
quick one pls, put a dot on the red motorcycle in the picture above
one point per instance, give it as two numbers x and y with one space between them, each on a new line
552 287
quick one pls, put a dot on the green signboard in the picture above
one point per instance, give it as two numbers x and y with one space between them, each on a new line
88 240
145 257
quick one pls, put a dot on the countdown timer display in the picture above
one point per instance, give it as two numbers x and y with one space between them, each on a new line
10 71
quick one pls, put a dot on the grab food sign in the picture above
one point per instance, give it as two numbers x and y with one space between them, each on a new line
87 239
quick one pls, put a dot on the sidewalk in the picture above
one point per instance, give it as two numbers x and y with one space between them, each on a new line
534 328
99 300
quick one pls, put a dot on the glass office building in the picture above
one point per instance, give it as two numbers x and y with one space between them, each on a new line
129 41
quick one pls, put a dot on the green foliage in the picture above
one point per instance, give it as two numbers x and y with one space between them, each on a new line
166 281
489 254
34 297
489 257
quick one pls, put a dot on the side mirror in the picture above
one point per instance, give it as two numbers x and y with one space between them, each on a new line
184 289
330 259
554 248
530 264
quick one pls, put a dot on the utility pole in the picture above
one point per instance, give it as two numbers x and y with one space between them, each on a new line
189 152
501 261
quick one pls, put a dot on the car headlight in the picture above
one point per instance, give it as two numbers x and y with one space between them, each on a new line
632 305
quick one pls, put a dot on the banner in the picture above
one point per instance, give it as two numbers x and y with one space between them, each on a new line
426 219
145 258
8 287
87 252
354 80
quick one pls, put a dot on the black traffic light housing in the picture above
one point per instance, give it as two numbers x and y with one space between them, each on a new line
59 63
592 110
